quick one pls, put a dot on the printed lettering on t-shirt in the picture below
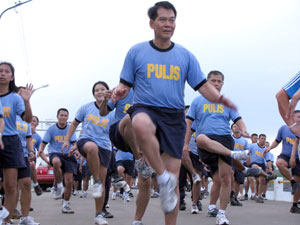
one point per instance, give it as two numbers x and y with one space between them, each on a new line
126 107
260 154
213 108
6 111
239 146
160 72
96 120
60 139
22 126
290 140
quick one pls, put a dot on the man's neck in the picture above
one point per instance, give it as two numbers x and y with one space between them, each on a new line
161 43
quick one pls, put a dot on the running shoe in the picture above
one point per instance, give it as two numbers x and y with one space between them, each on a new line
155 195
106 214
75 193
38 190
259 199
137 223
212 212
199 205
97 190
99 220
295 209
84 194
194 209
222 220
182 205
271 176
168 196
59 193
252 172
3 214
16 214
196 178
240 155
235 202
67 209
27 221
113 196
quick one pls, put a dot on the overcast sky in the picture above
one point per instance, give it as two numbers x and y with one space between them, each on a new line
72 44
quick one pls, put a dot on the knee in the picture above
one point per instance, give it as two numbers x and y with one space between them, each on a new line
10 185
279 164
56 163
201 140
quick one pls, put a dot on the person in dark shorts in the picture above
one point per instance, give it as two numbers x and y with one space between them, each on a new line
63 162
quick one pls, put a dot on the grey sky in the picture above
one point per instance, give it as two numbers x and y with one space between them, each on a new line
72 44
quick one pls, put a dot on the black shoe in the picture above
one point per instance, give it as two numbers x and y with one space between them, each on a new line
106 214
235 202
182 206
199 205
246 196
38 190
131 195
271 176
31 209
295 209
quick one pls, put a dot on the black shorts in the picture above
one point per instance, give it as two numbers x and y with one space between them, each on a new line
296 169
117 139
12 155
262 165
103 154
25 172
128 165
170 127
211 159
239 176
68 163
86 171
195 161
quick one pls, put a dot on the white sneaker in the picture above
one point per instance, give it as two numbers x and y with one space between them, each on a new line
137 223
84 194
196 178
75 193
99 220
126 197
113 196
27 221
194 209
59 193
3 214
240 155
97 190
67 209
222 220
168 196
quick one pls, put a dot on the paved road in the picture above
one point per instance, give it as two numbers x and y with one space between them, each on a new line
48 212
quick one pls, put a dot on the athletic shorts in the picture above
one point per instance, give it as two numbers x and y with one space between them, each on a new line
239 176
117 139
195 161
128 165
293 85
262 165
12 155
26 172
296 169
211 159
170 127
68 163
103 154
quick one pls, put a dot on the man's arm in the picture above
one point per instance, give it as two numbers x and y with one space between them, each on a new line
42 154
212 94
120 92
240 123
293 104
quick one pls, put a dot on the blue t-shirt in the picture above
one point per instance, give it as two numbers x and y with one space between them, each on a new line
55 136
269 157
256 154
288 138
159 76
193 144
1 110
211 118
94 126
36 141
12 105
24 132
240 143
121 106
120 155
293 85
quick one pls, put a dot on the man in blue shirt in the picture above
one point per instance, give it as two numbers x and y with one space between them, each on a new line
158 70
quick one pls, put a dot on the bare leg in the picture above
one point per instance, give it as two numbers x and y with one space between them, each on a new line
225 179
212 146
68 185
10 187
143 197
57 170
25 200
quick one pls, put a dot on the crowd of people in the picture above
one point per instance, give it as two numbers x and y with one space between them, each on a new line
143 130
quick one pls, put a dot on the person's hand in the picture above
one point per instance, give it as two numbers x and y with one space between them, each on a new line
108 94
74 148
65 145
118 93
245 134
26 92
228 103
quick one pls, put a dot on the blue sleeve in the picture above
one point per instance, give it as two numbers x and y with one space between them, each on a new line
279 135
195 76
20 106
38 143
128 71
29 130
246 147
47 136
80 114
192 110
234 115
111 105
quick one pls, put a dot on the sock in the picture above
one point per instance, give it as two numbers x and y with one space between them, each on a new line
65 203
231 154
98 214
245 170
36 184
210 207
221 212
60 185
163 178
97 181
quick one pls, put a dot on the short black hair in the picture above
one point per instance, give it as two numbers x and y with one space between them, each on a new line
62 109
297 111
262 135
152 12
37 119
100 82
215 72
254 134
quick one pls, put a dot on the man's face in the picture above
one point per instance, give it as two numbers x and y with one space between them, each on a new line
216 81
254 139
297 117
262 141
62 117
235 129
164 24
